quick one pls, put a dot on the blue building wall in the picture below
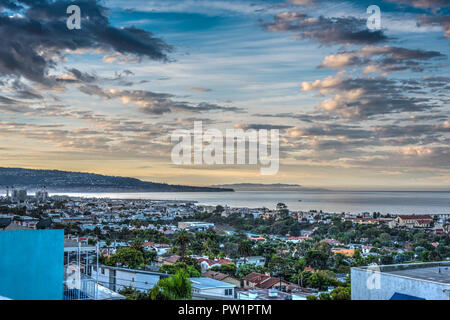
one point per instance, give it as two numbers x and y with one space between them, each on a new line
32 264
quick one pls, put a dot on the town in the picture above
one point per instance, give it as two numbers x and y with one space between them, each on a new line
168 250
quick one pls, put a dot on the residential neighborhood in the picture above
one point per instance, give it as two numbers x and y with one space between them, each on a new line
133 248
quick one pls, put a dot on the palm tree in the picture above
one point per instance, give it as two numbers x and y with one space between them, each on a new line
183 240
245 249
137 244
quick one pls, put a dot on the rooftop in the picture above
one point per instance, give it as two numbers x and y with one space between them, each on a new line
431 271
435 274
208 283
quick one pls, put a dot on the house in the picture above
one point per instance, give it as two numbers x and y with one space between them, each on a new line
222 277
366 249
333 242
195 225
262 294
168 260
298 239
265 281
116 278
207 288
345 252
257 260
257 238
412 221
207 264
160 248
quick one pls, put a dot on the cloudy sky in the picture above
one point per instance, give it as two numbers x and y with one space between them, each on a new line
356 108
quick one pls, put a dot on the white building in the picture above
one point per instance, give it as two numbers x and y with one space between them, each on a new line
417 281
207 288
257 260
116 278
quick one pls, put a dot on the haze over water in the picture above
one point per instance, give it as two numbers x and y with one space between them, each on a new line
401 203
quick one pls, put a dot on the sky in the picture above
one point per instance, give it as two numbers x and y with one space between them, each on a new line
356 108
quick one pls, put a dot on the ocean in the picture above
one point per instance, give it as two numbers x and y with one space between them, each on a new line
398 202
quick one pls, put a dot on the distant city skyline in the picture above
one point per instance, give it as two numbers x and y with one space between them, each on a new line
356 109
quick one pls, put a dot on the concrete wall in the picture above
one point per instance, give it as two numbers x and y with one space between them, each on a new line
31 264
390 284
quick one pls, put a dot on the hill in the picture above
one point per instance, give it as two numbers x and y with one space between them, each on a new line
56 180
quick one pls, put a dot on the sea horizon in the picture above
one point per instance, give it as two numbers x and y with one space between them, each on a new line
385 202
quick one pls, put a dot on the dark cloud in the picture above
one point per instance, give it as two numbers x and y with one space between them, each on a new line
262 127
327 31
363 98
154 103
13 106
384 59
442 21
36 39
423 4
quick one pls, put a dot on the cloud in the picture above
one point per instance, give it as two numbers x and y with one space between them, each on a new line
383 59
301 2
327 31
363 98
261 127
152 102
37 40
197 89
442 21
423 4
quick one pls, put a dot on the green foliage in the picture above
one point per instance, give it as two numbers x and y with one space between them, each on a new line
183 239
341 293
176 287
320 280
316 259
245 248
174 268
324 296
248 268
229 268
127 257
133 294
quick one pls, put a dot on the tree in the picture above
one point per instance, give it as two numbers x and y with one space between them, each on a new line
129 257
316 259
321 280
278 266
245 249
182 240
341 293
324 296
176 287
323 247
229 268
282 210
133 294
174 268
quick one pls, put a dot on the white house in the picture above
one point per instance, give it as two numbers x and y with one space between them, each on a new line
116 278
204 288
257 260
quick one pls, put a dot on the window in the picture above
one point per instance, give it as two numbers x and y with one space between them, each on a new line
103 270
228 292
